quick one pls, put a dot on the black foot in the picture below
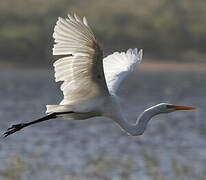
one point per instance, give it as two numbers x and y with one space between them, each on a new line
13 129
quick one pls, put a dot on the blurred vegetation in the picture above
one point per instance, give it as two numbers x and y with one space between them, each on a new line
103 167
165 29
14 170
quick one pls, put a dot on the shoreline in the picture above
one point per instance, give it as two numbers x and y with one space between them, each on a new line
145 65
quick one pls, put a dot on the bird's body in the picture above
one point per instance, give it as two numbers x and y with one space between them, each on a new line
90 82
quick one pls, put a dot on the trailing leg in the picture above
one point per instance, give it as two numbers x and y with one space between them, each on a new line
17 127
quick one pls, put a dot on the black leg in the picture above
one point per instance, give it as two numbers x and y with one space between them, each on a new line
13 129
17 127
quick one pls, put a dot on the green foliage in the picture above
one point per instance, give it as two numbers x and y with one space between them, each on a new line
103 167
152 167
165 29
13 170
179 171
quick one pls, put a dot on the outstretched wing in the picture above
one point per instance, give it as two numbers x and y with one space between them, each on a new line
118 65
80 68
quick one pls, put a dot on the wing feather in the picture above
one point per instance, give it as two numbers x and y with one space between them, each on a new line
82 69
118 65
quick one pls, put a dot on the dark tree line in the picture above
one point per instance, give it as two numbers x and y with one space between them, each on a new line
165 29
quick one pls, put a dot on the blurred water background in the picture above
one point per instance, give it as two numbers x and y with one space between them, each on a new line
173 36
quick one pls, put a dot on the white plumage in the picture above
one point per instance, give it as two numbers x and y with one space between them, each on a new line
85 74
118 65
82 66
89 81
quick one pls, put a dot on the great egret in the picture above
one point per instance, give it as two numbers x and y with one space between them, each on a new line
89 81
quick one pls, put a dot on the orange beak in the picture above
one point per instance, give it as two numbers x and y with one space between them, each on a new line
181 107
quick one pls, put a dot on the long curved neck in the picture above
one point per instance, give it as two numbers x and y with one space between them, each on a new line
141 123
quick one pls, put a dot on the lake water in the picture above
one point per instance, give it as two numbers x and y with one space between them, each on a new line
97 148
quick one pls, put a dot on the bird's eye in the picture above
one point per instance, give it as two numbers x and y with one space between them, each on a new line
169 106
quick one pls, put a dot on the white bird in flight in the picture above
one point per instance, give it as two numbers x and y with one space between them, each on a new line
90 81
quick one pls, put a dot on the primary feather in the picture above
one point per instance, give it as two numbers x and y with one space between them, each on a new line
81 70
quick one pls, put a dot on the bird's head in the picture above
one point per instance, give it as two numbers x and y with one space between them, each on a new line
167 108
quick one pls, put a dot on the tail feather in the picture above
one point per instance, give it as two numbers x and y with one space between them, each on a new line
58 108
